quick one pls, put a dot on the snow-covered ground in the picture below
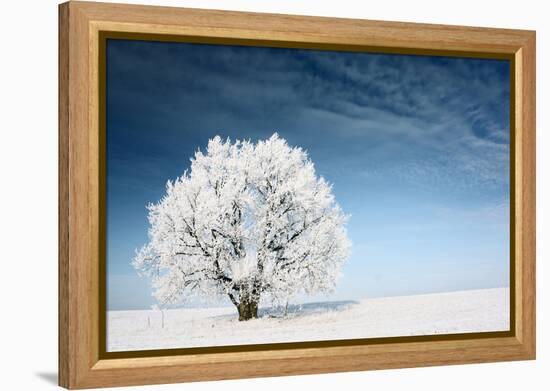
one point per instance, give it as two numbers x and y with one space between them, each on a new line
440 313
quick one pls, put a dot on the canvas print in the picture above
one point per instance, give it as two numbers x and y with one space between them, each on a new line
259 195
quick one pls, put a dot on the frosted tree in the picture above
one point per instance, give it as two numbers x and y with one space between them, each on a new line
247 222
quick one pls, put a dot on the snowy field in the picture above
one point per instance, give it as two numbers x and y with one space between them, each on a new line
441 313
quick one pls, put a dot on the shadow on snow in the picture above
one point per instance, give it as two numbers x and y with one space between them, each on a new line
299 310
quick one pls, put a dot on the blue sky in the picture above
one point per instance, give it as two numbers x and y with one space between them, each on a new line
417 148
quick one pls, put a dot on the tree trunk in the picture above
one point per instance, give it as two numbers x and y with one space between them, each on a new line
248 309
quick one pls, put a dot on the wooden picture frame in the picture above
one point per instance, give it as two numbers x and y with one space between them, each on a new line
83 363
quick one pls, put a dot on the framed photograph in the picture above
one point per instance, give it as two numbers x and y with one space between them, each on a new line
247 195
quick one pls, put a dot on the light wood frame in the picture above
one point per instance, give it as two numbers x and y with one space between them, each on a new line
81 362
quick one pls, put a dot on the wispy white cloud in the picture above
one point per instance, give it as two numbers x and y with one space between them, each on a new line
430 120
